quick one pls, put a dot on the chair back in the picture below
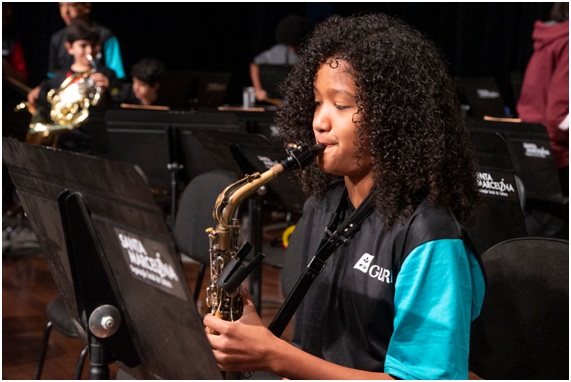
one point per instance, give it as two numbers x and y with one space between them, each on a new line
523 329
195 213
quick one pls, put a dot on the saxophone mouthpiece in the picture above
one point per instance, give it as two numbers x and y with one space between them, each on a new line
317 149
301 155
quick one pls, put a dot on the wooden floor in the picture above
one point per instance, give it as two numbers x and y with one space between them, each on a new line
28 287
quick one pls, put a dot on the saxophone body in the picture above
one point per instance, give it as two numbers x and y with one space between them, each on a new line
223 295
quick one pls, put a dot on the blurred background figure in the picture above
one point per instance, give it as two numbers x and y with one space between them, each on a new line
82 40
13 63
146 75
545 92
59 58
289 34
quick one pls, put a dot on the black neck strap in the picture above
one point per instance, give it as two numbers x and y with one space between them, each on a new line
334 238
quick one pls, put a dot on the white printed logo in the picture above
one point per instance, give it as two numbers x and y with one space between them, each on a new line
487 185
364 263
375 271
144 265
531 150
487 94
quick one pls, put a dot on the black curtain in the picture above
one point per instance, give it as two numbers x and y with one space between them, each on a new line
476 39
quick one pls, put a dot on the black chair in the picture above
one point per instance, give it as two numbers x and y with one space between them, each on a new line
195 215
59 319
523 329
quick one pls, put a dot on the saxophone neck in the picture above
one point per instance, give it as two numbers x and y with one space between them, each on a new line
299 156
231 198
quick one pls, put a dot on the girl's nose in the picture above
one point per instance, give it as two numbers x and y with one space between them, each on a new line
321 121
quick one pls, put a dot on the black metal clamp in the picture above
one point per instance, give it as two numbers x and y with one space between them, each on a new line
236 272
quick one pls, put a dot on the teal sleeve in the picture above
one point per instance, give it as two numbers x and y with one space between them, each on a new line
113 57
438 293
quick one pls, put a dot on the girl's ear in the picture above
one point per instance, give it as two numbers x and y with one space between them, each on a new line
68 47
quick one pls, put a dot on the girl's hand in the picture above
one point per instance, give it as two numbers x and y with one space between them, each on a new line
243 345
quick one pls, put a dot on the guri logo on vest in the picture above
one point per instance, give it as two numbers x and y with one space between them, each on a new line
377 272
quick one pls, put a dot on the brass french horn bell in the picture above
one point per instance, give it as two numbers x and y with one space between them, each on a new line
70 107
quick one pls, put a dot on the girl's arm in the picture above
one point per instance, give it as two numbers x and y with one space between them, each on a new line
247 345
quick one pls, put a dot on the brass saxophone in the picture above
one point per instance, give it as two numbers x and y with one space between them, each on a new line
223 295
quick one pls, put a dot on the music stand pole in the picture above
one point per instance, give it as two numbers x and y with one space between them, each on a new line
255 213
174 167
99 359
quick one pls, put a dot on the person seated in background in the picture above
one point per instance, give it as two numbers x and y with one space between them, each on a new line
59 57
545 91
147 75
82 40
289 35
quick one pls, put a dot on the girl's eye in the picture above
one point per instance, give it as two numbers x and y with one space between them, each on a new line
317 103
341 107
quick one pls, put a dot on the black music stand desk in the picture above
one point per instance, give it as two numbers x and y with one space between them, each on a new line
106 244
530 151
500 217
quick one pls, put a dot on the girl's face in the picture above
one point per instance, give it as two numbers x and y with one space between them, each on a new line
333 126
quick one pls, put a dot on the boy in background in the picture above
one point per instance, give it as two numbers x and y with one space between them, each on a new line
82 40
147 75
59 57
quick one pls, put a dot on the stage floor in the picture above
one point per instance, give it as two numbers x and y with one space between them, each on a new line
28 287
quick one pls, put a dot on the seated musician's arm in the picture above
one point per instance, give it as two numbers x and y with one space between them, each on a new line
247 345
438 293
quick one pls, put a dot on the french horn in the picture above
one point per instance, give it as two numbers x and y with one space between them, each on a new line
69 107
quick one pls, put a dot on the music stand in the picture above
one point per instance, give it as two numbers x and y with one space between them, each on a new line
245 153
501 216
111 247
530 151
155 141
483 96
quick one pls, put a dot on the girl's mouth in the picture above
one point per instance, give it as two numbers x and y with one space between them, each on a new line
328 145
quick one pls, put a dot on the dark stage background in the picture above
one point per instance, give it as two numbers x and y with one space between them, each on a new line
477 39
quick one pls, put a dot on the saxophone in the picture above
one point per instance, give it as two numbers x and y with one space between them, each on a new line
223 295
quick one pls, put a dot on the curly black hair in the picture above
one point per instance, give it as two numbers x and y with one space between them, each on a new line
409 115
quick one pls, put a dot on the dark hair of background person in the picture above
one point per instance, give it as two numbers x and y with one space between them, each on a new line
80 29
148 70
291 30
560 12
408 111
